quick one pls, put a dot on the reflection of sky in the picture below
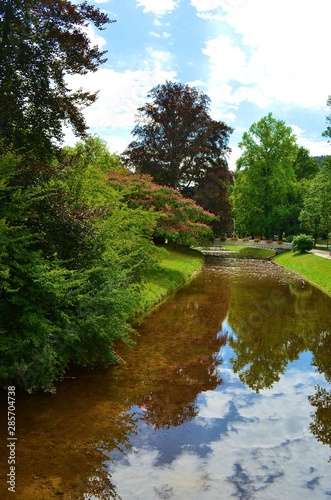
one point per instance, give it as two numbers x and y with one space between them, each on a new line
242 445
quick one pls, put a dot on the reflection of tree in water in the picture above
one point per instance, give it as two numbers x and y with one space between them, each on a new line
174 401
116 443
265 337
273 326
177 349
321 420
320 425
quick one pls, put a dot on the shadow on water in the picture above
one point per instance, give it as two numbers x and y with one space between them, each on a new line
201 362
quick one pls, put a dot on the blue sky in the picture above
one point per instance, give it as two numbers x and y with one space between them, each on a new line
249 56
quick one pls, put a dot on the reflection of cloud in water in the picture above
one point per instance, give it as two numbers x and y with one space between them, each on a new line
261 451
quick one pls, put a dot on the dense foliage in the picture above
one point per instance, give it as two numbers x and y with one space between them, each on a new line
67 289
176 139
178 219
213 192
302 243
40 43
315 215
267 195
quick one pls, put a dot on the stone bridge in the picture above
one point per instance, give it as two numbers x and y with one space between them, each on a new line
221 247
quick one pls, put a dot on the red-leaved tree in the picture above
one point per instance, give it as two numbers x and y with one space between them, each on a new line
178 219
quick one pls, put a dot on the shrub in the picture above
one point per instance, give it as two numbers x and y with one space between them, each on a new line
302 243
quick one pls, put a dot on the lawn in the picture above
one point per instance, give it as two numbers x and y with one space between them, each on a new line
315 269
176 268
251 252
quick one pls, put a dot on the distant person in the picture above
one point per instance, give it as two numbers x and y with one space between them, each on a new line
330 250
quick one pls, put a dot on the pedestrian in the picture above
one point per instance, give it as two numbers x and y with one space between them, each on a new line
330 250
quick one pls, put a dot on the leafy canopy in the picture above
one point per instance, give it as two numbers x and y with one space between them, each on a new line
176 140
73 257
303 243
265 194
177 218
315 215
41 42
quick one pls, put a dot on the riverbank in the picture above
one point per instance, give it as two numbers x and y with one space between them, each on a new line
316 269
176 268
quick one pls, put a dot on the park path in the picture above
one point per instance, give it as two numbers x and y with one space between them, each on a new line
321 253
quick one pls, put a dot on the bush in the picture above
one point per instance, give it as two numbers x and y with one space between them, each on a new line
302 243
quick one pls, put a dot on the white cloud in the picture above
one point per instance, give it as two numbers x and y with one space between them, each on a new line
283 54
159 7
120 94
94 36
266 451
115 143
314 143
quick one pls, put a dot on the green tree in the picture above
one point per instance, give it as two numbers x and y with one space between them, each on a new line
305 166
265 194
72 258
315 215
176 139
303 243
41 42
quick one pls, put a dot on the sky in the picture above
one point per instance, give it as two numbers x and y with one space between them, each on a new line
250 57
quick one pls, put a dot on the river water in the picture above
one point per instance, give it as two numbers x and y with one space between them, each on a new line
226 394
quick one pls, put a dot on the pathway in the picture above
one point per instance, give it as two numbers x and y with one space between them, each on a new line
321 253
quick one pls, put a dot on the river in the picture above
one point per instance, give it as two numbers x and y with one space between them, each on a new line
225 394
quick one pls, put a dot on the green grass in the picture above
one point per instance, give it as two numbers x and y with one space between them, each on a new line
175 269
315 269
250 252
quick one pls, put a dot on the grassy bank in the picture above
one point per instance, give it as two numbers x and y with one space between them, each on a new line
175 269
252 253
315 269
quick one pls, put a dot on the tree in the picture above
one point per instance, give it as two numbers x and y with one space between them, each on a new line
41 42
213 194
72 258
303 243
177 218
265 193
315 215
305 166
176 139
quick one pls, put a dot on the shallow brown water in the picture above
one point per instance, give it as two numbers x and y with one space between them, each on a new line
225 395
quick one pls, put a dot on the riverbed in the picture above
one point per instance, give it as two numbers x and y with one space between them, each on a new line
225 394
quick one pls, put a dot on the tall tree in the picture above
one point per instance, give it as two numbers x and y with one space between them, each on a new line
265 193
176 139
305 166
315 215
41 42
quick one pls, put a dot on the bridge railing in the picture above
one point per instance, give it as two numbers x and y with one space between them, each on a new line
253 243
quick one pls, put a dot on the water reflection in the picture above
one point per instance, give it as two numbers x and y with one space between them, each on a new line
214 401
273 325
